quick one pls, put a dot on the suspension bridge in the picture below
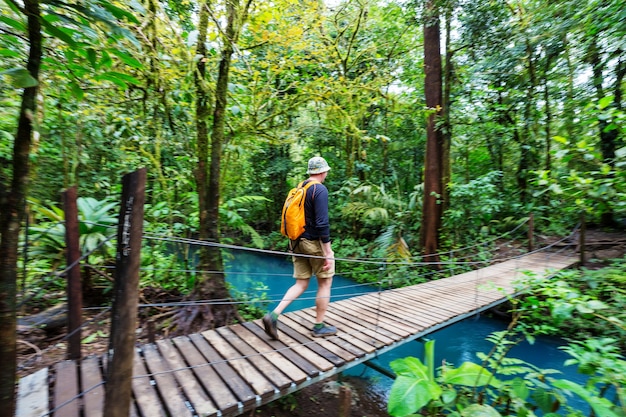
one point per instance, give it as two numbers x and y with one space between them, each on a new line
230 370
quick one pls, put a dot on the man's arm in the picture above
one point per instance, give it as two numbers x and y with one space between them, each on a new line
329 256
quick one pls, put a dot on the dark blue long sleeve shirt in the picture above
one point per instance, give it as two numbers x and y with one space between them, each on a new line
316 214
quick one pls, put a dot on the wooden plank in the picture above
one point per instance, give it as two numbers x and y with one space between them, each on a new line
431 293
198 398
146 396
290 354
421 309
265 367
450 305
379 317
239 387
316 359
308 343
241 362
454 300
371 320
354 337
414 307
370 310
384 335
66 394
165 382
306 325
397 314
205 372
342 351
93 387
266 348
366 334
32 395
451 288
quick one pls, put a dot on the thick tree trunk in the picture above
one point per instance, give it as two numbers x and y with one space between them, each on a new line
12 198
211 285
211 257
446 134
202 114
433 190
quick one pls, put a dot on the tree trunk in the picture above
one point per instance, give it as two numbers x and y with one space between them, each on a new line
608 139
432 209
12 200
202 114
211 257
212 285
528 147
446 134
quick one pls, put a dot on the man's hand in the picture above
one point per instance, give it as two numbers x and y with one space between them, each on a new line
329 262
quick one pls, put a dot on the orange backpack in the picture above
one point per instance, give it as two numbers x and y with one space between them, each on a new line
292 220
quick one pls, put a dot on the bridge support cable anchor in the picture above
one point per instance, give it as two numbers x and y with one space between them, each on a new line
380 369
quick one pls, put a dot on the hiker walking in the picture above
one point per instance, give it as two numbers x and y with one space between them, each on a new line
315 242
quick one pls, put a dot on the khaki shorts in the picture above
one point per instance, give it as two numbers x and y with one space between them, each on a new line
305 267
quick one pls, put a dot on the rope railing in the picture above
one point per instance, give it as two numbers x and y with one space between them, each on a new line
453 264
264 298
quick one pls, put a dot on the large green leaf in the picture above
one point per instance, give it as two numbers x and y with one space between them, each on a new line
15 24
602 407
61 34
20 78
409 394
409 366
126 58
412 389
118 12
470 374
9 53
480 410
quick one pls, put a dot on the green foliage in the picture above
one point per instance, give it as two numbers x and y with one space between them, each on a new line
578 303
602 360
97 221
232 214
504 386
474 206
586 305
416 388
251 307
589 183
368 271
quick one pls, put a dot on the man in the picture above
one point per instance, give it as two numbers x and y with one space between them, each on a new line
314 242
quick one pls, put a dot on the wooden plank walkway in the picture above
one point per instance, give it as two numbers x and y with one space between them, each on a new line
231 370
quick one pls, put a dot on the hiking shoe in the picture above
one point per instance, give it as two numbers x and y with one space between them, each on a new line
271 326
324 331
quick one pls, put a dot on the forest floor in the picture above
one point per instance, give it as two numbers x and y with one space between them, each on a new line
320 399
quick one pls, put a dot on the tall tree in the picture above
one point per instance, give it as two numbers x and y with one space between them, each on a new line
433 166
212 284
12 200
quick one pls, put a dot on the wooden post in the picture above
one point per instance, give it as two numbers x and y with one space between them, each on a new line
531 232
74 286
581 243
126 292
345 401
